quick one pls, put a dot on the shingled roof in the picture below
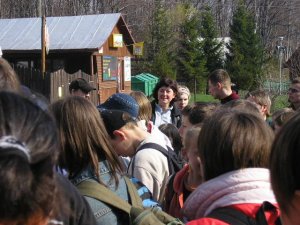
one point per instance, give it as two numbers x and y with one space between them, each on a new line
87 32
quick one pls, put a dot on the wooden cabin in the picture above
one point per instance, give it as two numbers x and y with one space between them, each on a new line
96 47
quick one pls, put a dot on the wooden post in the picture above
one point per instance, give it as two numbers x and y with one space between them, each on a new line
43 46
195 88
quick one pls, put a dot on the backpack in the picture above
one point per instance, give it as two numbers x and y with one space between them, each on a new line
236 217
174 163
137 214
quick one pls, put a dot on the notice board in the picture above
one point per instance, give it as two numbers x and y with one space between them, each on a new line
110 68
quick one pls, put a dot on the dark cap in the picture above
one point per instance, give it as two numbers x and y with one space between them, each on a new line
122 102
115 119
81 84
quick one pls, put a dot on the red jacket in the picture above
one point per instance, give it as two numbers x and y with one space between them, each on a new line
248 209
175 203
244 189
233 96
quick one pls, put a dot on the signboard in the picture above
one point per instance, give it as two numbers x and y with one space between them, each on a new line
110 68
127 69
138 48
117 40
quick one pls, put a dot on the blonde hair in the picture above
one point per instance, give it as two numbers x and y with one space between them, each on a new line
145 108
182 89
261 97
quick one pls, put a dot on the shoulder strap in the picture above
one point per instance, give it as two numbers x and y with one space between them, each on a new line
165 152
154 146
135 198
170 190
144 146
236 217
260 215
100 192
231 216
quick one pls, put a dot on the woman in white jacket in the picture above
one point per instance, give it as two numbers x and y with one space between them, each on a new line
234 149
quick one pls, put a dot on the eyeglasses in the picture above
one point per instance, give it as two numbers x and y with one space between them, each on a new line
293 90
55 222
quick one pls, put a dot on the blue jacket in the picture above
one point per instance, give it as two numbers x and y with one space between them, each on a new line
104 213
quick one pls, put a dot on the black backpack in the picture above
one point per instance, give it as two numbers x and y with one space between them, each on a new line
174 163
236 217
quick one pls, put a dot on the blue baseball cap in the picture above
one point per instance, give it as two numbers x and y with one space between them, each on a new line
122 102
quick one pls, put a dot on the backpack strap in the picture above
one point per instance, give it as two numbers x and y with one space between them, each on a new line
100 192
236 217
161 149
170 189
154 146
231 216
260 215
133 193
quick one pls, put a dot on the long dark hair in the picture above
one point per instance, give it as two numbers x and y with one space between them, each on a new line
83 137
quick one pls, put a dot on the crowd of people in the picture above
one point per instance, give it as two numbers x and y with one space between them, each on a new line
202 163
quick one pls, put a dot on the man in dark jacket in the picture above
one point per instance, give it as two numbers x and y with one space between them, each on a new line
219 86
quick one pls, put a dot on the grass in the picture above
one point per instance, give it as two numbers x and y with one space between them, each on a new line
203 98
278 102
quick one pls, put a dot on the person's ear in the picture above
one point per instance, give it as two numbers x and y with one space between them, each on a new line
149 126
219 85
119 134
264 109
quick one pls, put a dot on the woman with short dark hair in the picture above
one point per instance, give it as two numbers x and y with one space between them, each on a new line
163 108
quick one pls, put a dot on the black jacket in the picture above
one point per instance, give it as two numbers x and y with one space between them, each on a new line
78 211
175 115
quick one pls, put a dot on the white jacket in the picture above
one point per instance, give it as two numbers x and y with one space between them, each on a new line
151 167
251 185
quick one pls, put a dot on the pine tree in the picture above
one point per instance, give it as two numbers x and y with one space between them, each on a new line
159 57
212 46
245 58
190 60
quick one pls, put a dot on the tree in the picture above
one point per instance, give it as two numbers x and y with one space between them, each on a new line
191 62
212 46
158 54
245 58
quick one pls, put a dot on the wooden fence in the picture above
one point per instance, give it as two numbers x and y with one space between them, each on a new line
33 79
60 81
54 85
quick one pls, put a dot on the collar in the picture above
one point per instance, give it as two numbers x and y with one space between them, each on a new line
251 185
232 96
160 110
88 173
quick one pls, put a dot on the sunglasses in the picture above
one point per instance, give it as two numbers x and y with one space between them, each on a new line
293 90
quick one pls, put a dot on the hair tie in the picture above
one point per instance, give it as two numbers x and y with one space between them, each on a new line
15 146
